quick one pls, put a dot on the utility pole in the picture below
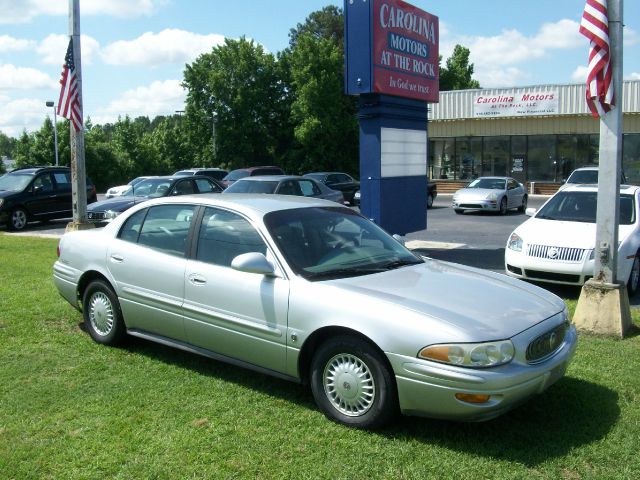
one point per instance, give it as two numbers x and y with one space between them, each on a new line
78 173
55 128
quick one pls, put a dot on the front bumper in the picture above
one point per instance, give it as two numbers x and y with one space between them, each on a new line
524 267
429 389
476 205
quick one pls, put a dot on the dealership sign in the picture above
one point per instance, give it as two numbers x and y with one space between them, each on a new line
524 103
391 48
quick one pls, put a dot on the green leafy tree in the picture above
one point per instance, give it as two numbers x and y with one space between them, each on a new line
327 23
458 73
237 83
7 144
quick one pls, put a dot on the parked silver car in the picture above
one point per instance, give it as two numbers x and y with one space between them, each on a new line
491 194
286 185
311 291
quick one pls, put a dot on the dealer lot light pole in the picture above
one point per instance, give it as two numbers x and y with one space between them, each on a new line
55 128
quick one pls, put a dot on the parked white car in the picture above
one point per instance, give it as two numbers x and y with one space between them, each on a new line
557 245
127 189
491 194
585 175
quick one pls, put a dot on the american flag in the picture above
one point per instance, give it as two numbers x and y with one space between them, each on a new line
595 26
69 101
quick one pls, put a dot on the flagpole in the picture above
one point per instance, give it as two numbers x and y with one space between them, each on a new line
78 172
603 306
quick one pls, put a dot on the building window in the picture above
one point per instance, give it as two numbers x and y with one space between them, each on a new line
631 157
495 156
543 165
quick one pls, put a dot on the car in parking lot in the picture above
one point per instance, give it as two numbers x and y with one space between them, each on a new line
106 210
239 173
285 185
215 173
37 194
127 189
491 194
337 181
584 176
313 292
557 245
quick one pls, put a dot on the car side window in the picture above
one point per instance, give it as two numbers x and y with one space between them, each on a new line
166 228
184 187
512 184
130 230
308 188
43 184
63 181
289 187
225 235
333 178
205 186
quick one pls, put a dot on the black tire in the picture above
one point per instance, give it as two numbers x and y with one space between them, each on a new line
18 219
458 211
633 284
352 384
429 200
503 206
102 314
523 208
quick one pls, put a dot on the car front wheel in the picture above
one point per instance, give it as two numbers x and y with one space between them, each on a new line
523 208
18 220
633 283
503 206
352 384
102 314
429 200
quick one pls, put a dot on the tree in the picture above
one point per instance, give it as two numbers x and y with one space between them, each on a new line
7 144
327 23
458 71
238 85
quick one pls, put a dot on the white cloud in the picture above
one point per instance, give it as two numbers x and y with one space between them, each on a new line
23 78
159 98
24 11
168 46
633 76
579 75
500 77
10 44
53 48
20 114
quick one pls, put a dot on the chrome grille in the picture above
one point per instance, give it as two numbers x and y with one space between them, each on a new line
562 254
546 344
95 215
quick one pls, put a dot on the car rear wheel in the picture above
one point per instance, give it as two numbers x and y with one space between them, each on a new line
503 206
458 211
633 283
18 219
429 200
102 314
352 384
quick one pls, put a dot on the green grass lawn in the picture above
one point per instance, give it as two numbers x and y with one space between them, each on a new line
70 409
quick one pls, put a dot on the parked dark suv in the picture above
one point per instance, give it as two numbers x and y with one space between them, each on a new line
37 193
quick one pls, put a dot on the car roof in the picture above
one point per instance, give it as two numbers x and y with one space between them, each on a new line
592 187
34 170
271 178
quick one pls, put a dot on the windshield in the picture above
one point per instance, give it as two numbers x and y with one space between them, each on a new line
150 188
582 206
248 186
324 243
583 176
14 182
490 183
236 175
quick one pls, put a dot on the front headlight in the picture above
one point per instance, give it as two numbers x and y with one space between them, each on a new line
515 243
492 196
1 201
487 354
110 215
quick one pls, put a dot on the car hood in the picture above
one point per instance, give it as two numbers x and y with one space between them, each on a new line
475 192
564 234
482 305
118 204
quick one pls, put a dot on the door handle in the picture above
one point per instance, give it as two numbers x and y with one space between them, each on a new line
197 279
117 258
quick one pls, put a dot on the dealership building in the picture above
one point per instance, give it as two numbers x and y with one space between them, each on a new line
536 134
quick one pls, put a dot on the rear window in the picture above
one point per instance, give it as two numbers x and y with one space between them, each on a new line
267 171
248 186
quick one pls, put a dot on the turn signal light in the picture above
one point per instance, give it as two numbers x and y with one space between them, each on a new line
473 397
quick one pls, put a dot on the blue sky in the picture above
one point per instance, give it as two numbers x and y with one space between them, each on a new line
134 51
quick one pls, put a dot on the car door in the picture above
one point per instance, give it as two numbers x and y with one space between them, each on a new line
147 261
42 200
236 314
514 193
64 200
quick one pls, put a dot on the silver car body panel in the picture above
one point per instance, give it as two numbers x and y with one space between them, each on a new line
264 321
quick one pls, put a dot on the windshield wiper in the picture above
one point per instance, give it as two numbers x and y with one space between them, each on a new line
399 263
344 272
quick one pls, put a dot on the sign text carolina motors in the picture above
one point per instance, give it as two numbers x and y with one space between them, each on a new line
519 104
405 51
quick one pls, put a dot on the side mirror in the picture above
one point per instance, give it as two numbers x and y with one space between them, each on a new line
530 211
253 262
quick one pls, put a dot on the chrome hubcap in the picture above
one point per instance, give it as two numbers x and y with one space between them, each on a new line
101 313
349 385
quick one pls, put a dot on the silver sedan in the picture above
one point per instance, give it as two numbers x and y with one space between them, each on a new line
491 194
313 292
286 185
